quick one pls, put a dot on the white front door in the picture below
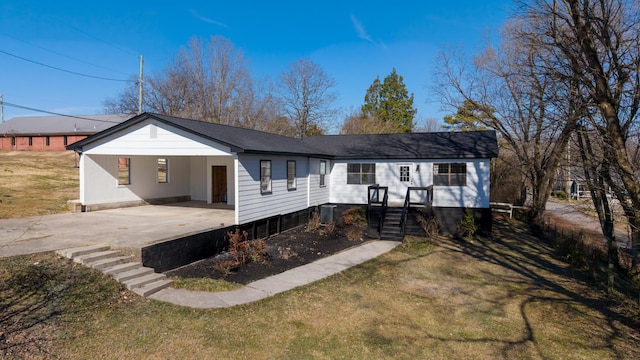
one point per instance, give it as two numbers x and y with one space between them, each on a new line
405 179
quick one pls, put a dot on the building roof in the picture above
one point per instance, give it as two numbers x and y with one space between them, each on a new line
238 139
433 145
449 145
60 125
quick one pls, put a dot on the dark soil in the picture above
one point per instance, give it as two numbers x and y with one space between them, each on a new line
285 251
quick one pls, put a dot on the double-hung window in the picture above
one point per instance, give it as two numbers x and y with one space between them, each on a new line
291 175
323 172
361 173
163 170
450 174
124 171
265 176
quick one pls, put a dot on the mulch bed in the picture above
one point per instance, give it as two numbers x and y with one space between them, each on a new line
285 251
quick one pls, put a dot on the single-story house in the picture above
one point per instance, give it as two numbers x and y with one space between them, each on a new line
155 158
44 133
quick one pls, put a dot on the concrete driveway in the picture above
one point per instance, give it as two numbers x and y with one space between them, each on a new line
132 228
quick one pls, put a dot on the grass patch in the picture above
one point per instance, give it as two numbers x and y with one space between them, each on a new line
37 182
204 284
503 297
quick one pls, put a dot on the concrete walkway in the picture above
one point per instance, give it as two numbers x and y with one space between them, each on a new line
275 284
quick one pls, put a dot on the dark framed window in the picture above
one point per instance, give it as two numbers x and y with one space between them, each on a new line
65 140
292 181
163 170
48 141
323 172
361 174
30 140
13 141
405 173
265 176
450 174
124 171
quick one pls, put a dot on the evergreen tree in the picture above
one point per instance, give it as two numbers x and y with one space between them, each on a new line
390 102
470 116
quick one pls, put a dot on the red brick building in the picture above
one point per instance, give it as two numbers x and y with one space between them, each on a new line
46 133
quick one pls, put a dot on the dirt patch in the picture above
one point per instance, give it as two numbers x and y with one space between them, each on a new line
285 251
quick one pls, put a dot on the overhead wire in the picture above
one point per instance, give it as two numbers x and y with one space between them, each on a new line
54 113
63 55
60 69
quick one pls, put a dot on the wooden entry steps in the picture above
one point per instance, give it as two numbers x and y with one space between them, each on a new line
144 281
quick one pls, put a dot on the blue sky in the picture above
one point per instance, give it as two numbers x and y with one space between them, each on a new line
353 41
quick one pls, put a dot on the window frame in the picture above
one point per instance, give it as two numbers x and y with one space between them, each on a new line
65 139
292 178
47 141
30 140
166 171
13 141
124 170
323 173
405 177
453 176
361 174
263 177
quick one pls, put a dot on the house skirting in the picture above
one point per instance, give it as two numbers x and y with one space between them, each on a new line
172 254
449 219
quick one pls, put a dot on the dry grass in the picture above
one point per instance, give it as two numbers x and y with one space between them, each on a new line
500 298
36 182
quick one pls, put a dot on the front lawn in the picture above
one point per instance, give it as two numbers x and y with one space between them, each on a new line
505 297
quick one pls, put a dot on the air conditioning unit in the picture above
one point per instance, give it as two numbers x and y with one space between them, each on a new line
327 213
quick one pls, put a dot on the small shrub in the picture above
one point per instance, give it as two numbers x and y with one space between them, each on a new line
242 251
354 216
330 229
560 194
314 222
353 233
429 224
226 267
468 226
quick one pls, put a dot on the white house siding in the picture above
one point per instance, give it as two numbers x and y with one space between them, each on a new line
100 180
474 195
251 205
151 137
319 195
387 174
198 178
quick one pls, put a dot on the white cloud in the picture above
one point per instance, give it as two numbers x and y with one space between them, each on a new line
362 33
207 20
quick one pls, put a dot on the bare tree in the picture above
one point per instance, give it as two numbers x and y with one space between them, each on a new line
359 123
520 102
307 96
209 81
596 45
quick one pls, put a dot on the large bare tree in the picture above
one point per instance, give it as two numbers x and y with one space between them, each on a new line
595 45
207 80
522 103
307 95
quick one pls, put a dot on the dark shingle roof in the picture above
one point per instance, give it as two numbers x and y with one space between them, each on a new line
238 139
472 144
436 145
60 125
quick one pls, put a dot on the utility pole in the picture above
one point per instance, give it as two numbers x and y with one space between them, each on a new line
140 87
2 106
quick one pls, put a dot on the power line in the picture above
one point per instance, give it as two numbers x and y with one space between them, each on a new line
98 39
63 55
59 69
55 113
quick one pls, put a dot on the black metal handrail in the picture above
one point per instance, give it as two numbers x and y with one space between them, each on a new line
383 204
408 203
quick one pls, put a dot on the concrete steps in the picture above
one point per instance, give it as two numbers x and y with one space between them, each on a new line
137 278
